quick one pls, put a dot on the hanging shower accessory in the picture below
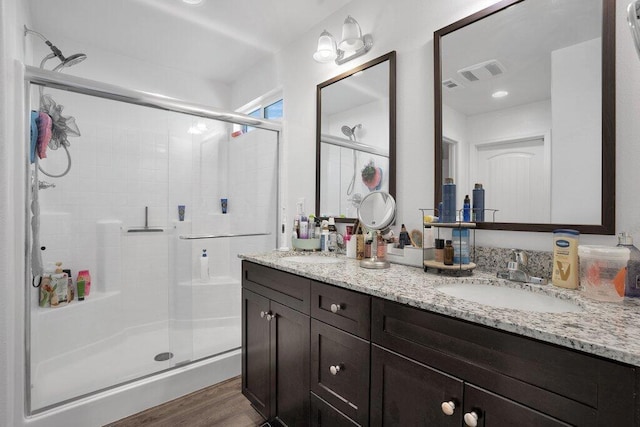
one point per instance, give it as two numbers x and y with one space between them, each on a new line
61 126
350 132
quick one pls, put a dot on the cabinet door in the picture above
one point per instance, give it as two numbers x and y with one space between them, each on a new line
408 393
485 409
340 370
290 353
256 367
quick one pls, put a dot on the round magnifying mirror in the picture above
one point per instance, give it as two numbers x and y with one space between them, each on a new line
376 212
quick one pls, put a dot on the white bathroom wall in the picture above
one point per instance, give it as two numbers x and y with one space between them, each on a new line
407 26
576 131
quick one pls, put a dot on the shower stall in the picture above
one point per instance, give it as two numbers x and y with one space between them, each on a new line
140 204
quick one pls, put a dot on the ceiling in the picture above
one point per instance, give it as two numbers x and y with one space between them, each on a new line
522 38
217 39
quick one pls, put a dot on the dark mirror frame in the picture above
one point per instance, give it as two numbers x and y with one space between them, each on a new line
608 199
391 57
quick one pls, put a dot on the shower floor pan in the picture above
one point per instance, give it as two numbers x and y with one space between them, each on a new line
125 358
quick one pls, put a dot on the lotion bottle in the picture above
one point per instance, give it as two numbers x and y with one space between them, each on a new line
204 266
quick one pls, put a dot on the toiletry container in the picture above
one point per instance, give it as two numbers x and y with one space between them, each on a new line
84 274
449 201
204 266
478 203
603 271
324 236
439 252
466 209
333 235
428 243
565 258
359 244
460 237
351 244
448 253
304 227
632 284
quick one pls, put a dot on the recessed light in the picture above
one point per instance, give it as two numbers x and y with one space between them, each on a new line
192 2
500 94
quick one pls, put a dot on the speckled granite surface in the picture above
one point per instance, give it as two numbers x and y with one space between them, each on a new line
610 330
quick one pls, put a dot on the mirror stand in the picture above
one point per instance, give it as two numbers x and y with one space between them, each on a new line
374 262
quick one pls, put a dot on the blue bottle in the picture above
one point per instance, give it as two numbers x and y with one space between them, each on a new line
478 203
466 209
449 201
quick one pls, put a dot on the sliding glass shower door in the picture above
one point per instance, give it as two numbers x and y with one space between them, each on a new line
138 207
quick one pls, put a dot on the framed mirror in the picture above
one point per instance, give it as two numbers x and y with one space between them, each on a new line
356 137
525 105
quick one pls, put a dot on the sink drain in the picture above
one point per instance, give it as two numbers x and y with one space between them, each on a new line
161 357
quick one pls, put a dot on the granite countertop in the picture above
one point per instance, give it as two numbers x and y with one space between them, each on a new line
609 330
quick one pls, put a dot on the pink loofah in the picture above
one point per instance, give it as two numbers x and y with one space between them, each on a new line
44 134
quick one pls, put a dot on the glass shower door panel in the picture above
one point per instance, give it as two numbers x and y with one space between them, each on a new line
94 219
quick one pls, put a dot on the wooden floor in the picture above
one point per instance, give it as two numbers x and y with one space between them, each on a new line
218 405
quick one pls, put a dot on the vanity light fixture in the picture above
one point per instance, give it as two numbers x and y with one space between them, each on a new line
500 94
352 45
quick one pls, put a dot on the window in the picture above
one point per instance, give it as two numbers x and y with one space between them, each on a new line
273 111
269 106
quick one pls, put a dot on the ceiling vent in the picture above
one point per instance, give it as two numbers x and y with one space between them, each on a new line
451 84
483 71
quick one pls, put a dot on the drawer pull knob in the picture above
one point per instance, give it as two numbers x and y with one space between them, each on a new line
335 369
336 307
448 408
263 313
471 419
270 316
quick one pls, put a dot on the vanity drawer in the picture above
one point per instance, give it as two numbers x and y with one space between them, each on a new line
285 288
566 384
325 415
340 370
342 308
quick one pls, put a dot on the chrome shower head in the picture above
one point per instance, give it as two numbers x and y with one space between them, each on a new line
70 61
347 131
64 61
351 132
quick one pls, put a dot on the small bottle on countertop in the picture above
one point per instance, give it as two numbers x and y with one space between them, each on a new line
324 236
448 253
333 235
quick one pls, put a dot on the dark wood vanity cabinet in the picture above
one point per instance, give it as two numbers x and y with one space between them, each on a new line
275 344
508 379
342 358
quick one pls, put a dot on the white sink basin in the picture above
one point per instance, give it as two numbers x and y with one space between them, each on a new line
310 259
504 297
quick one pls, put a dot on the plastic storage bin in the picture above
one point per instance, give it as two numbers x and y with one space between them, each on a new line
603 271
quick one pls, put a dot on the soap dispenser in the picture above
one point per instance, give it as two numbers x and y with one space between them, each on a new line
204 266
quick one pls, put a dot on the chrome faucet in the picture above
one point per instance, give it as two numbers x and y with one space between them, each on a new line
517 269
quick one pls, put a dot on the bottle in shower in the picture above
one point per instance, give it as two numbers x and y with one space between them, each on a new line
204 266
